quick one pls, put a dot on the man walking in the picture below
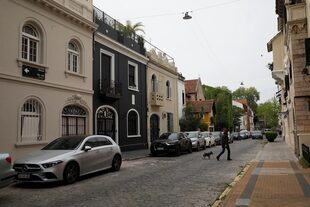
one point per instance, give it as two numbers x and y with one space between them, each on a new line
225 144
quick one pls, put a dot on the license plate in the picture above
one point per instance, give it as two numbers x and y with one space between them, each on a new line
23 176
160 148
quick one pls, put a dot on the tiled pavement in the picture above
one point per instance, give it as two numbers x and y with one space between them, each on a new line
273 179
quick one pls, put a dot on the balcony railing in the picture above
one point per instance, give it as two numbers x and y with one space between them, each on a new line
112 28
110 89
157 99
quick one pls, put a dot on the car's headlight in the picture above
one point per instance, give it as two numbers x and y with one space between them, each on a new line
51 164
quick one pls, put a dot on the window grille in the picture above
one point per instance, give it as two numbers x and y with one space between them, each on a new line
73 120
31 121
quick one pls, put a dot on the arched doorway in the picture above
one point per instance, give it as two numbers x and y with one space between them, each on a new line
154 127
106 122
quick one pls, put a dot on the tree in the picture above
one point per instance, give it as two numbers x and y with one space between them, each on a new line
250 94
268 113
189 122
223 105
129 29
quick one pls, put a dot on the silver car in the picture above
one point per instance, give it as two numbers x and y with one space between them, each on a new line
67 158
198 141
7 174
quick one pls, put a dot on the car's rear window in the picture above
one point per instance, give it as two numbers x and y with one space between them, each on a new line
64 143
170 136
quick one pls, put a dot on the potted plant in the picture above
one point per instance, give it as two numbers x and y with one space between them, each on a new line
271 135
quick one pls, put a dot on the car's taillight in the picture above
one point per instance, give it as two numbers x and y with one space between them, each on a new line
9 159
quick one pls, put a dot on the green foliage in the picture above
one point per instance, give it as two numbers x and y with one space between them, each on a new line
268 113
189 122
203 127
250 94
129 29
271 135
223 107
304 163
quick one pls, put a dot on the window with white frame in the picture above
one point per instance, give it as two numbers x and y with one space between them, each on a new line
168 90
30 43
132 76
31 121
73 120
73 57
133 123
154 83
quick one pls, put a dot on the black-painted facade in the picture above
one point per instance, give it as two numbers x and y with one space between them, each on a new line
113 100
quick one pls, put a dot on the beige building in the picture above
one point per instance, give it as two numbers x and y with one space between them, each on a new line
162 90
45 72
291 70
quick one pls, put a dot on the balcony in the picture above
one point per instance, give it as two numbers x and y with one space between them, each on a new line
157 99
110 89
111 28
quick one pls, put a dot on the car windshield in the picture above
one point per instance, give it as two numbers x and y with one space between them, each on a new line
216 134
257 132
170 136
64 143
192 134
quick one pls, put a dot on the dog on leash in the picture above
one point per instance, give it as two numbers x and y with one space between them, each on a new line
207 154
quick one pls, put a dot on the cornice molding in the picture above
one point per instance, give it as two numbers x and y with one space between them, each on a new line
67 13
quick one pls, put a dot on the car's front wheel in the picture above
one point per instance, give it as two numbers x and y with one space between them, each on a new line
116 163
71 173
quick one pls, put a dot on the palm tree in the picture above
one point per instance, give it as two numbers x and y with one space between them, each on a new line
129 29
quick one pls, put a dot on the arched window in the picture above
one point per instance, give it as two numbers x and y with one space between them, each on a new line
168 89
133 123
31 121
30 43
73 120
73 57
154 84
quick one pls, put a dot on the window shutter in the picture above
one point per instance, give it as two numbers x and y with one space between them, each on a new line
307 48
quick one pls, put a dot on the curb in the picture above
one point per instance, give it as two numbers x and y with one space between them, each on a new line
223 195
135 158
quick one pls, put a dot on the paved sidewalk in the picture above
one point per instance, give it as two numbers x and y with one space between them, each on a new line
273 179
135 154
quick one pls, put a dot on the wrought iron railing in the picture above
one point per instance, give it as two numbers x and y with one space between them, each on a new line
110 88
101 17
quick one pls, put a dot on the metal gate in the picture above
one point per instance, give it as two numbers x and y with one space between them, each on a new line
154 127
106 122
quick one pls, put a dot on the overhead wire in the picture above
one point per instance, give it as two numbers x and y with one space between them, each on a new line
178 13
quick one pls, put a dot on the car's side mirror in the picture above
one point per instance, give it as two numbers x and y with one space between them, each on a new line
87 148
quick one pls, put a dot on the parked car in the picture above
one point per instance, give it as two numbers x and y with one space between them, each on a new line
198 141
210 141
235 135
67 158
257 135
217 136
7 174
171 142
243 134
230 138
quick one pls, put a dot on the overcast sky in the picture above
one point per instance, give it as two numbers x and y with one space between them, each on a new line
224 43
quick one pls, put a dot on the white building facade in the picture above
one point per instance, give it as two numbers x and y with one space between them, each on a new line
45 72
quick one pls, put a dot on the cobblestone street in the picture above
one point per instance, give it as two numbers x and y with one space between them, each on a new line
188 180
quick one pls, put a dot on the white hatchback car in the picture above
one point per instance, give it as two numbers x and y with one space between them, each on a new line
197 140
7 174
210 140
67 158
